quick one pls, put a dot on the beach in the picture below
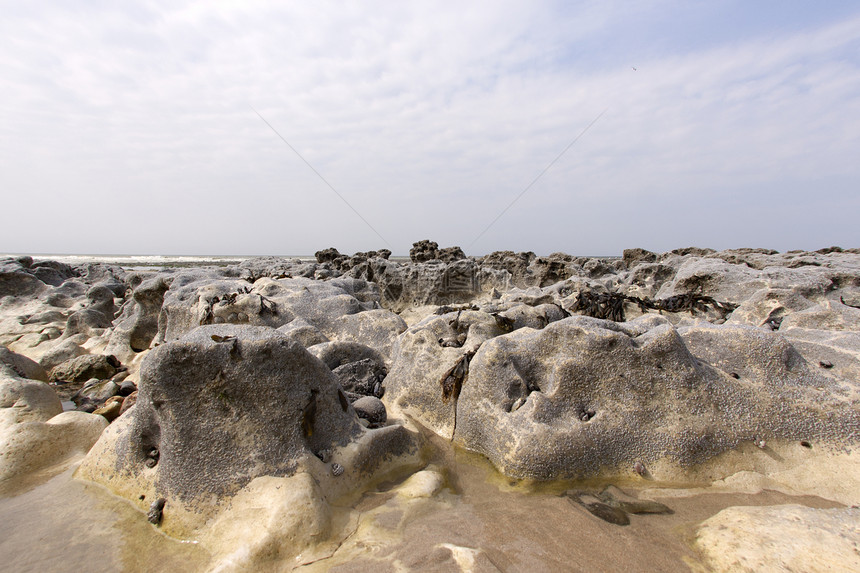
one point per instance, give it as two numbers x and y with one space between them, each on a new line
688 410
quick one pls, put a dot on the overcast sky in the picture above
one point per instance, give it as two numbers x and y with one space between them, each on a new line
130 127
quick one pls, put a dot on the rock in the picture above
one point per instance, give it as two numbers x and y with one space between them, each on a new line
23 366
86 321
111 409
52 272
30 446
288 513
15 281
126 388
363 376
336 354
635 256
129 401
645 395
226 404
423 484
371 409
537 317
96 391
424 251
781 538
378 329
421 363
516 264
85 368
750 353
303 332
64 351
24 400
137 325
100 299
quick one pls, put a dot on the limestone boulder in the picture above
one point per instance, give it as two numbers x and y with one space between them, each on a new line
23 366
584 397
781 538
225 404
137 325
27 447
86 367
25 400
303 332
427 353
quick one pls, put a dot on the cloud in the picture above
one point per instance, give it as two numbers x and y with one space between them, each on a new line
130 128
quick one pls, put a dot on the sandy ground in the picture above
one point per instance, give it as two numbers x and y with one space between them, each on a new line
479 521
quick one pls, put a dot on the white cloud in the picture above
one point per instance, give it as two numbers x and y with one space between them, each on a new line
428 117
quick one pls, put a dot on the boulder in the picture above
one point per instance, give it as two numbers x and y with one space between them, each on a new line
363 376
25 400
423 361
30 446
636 256
303 332
137 325
585 397
226 404
85 368
23 366
423 251
781 538
96 392
63 351
370 408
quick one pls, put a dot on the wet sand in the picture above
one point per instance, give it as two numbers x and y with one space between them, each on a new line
65 525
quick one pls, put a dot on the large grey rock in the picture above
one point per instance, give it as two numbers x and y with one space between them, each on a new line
268 302
226 404
584 397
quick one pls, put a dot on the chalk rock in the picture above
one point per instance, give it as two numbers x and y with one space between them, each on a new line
24 400
750 353
137 325
303 332
781 538
62 351
584 397
226 404
23 366
421 362
363 376
85 368
16 281
29 446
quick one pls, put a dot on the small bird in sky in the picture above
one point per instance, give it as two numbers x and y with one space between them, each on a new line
634 69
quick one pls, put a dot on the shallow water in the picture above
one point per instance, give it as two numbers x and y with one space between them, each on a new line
62 524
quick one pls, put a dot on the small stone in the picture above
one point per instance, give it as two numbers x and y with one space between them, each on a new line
336 469
127 387
639 468
825 364
371 409
156 511
805 444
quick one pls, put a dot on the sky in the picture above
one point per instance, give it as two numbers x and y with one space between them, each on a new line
282 128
